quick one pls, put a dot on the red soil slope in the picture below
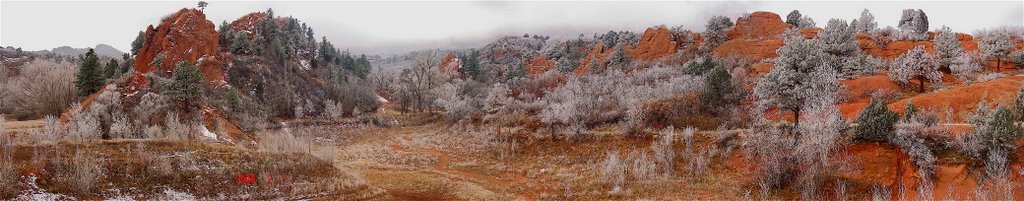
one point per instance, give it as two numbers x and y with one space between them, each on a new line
599 52
964 99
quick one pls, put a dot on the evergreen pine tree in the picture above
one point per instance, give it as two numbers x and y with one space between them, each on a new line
88 79
875 122
111 70
186 82
137 43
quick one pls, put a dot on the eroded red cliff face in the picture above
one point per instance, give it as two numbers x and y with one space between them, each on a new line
183 36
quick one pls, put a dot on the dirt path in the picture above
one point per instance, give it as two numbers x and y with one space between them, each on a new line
443 165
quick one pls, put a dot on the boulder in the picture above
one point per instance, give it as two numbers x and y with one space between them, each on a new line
655 43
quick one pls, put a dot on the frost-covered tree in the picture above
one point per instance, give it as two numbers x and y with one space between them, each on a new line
875 122
866 22
714 34
996 45
947 47
792 81
915 64
806 22
838 41
966 67
793 18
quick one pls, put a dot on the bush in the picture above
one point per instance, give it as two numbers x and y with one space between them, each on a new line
875 122
613 172
43 87
664 154
81 173
84 124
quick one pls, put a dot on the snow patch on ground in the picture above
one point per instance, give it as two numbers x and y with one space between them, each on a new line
207 133
36 193
171 194
304 64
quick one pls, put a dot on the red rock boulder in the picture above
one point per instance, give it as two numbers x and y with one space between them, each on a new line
655 43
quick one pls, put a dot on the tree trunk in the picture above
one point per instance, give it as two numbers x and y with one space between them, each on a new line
922 85
998 62
796 116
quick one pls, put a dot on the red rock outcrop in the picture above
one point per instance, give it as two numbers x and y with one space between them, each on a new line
538 65
184 36
450 65
759 25
655 43
755 37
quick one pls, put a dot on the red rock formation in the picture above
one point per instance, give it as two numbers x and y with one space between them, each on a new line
599 52
183 36
538 65
755 38
248 22
655 43
759 25
450 65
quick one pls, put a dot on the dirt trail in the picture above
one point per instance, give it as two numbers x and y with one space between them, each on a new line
443 165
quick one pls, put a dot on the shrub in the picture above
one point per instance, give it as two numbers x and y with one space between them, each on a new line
284 142
875 122
43 87
642 168
84 124
52 128
910 137
664 154
81 173
123 127
613 173
149 105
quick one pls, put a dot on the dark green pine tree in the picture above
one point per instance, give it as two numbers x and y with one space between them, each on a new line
111 70
362 66
875 122
1001 131
88 79
137 43
717 85
186 83
470 64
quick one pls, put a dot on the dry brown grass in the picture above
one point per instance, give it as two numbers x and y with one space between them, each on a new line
145 169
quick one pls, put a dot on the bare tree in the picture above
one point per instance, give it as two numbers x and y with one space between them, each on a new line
416 82
202 5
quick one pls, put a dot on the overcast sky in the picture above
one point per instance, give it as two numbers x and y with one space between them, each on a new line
385 27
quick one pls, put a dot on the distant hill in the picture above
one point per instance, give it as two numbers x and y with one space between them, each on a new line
103 50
